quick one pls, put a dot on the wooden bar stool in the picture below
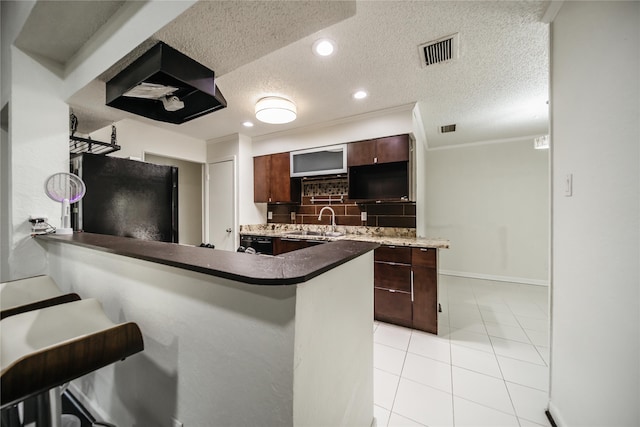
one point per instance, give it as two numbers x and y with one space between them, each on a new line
45 348
33 293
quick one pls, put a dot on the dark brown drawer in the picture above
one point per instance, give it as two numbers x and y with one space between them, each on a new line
391 276
397 254
424 257
393 307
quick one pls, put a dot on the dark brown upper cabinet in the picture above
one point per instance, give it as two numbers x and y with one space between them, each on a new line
380 150
271 180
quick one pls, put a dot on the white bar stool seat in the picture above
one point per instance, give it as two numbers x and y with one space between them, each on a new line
32 293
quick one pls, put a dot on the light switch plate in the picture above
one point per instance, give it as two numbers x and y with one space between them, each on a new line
568 185
363 216
269 215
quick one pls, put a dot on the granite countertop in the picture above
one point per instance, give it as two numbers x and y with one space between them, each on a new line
381 235
286 269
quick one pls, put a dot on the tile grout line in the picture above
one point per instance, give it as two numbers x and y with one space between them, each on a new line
495 355
453 408
527 335
395 395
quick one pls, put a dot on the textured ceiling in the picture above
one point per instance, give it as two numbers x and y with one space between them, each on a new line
496 89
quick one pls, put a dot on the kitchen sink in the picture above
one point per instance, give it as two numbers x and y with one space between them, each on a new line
333 234
305 233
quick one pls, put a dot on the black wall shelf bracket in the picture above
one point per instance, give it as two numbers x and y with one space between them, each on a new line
79 145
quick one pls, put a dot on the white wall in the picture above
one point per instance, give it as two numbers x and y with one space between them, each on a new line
240 147
492 202
420 160
5 217
39 147
13 16
334 369
249 212
137 138
595 324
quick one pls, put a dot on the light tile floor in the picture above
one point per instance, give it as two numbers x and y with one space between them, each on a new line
488 366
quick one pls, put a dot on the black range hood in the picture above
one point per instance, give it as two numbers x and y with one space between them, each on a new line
165 85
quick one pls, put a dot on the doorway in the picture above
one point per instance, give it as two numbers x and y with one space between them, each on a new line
190 230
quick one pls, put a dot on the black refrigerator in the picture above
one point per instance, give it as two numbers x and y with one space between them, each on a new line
128 198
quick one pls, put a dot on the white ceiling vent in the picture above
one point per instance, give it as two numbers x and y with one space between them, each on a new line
441 50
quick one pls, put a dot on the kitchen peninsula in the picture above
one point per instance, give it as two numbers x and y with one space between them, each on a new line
230 338
405 266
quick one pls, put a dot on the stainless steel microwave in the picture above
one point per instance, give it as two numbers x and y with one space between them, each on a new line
327 160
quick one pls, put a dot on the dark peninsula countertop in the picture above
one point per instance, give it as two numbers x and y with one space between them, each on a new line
286 269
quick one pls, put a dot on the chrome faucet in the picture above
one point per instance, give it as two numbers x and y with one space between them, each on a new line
333 217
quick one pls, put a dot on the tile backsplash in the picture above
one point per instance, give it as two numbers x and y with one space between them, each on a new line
317 194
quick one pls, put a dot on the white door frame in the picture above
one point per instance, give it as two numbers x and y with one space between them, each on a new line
206 213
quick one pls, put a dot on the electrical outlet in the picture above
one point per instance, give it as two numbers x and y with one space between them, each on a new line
269 215
363 216
39 224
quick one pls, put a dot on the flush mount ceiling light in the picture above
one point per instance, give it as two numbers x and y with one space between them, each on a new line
275 110
323 47
247 124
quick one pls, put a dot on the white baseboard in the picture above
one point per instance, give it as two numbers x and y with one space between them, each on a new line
88 404
522 280
555 413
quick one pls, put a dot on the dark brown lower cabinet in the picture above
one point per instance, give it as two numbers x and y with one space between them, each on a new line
283 245
393 307
392 285
406 287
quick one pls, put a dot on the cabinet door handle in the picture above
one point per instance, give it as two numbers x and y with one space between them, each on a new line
411 285
424 249
393 291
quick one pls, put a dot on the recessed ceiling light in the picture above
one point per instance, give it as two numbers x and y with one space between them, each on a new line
247 124
360 94
323 47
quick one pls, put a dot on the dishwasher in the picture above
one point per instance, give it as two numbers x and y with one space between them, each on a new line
261 244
